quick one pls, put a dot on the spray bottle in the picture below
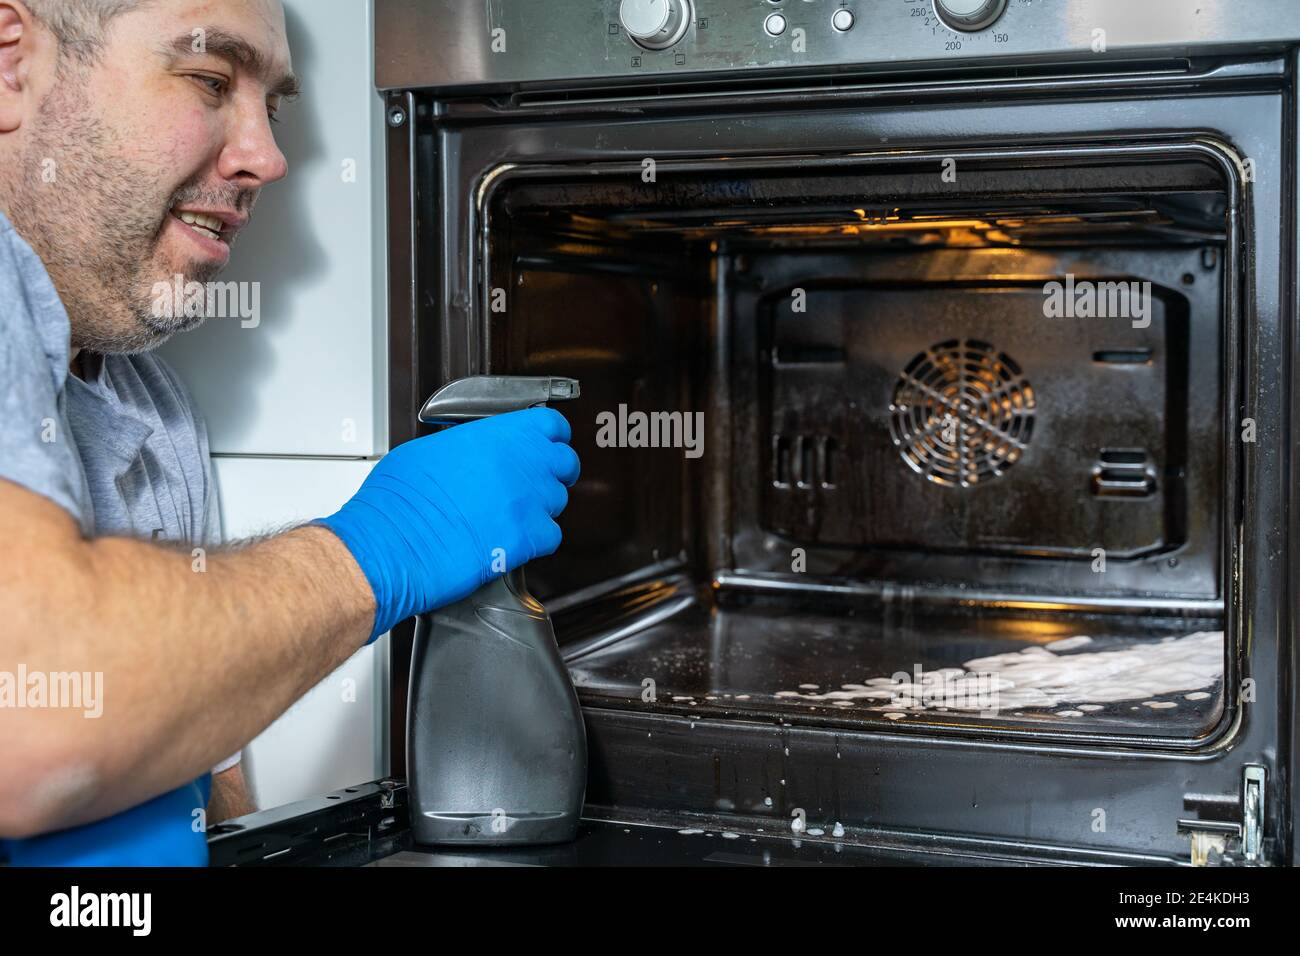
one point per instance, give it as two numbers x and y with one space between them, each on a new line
496 749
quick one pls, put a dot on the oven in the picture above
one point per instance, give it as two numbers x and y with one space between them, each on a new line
936 364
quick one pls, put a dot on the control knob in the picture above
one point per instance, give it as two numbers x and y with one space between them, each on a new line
655 24
969 15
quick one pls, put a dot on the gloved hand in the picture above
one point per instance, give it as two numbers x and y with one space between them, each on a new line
440 516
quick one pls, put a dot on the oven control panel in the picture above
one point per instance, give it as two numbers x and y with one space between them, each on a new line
455 44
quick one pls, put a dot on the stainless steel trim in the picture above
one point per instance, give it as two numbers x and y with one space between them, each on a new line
449 44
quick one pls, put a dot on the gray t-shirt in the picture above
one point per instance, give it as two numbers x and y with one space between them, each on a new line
125 451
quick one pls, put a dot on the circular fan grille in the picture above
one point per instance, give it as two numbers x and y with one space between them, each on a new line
962 413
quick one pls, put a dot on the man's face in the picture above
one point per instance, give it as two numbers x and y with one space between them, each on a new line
146 164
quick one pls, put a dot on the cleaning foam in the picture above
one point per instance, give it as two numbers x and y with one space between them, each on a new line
1048 676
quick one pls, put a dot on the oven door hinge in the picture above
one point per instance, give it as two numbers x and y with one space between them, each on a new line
1229 829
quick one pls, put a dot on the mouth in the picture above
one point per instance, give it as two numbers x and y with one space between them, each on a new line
213 229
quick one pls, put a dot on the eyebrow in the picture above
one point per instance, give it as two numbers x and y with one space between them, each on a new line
232 47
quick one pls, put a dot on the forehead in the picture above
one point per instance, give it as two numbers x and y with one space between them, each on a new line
258 24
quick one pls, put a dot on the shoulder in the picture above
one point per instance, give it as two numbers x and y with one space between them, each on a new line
33 371
13 248
27 286
28 304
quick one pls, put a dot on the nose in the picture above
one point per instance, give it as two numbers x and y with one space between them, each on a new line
251 156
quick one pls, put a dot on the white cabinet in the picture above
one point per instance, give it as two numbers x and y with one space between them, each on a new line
336 734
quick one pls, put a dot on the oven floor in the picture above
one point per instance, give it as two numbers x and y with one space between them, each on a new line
1148 676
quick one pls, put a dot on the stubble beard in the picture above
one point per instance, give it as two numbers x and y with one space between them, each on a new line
95 218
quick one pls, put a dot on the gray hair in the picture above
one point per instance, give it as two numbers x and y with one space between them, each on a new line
79 25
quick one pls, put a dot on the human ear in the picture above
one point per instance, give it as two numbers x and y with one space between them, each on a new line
17 49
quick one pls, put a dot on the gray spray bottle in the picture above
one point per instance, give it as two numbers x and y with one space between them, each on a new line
496 752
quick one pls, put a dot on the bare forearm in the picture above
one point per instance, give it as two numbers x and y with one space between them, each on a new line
230 796
226 649
197 657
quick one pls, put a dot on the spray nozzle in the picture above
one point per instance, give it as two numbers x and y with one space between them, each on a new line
481 396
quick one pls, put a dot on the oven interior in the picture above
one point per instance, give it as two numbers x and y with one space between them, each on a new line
945 434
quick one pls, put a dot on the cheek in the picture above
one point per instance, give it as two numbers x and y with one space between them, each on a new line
178 147
168 128
188 137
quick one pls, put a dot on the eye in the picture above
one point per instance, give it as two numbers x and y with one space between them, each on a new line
270 114
214 84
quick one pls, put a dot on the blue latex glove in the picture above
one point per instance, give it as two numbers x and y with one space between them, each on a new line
158 833
441 516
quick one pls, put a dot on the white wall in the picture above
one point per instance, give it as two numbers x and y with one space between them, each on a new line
296 404
308 379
